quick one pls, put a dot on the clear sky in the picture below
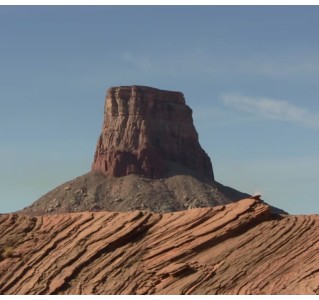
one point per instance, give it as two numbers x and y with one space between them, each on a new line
250 74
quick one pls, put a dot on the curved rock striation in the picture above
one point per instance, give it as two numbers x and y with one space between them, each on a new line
240 248
148 132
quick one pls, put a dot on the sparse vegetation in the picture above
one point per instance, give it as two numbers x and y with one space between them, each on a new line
6 252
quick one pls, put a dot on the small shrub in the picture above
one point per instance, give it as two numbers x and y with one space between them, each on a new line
7 252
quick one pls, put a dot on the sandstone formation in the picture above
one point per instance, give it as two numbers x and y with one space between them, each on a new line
147 157
240 248
149 132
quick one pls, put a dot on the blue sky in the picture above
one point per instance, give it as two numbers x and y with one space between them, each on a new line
250 74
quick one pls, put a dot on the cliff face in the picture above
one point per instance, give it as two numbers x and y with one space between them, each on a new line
148 132
239 248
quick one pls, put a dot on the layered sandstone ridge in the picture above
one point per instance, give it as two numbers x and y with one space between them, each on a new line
150 133
240 248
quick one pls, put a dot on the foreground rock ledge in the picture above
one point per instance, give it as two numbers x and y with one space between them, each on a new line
240 248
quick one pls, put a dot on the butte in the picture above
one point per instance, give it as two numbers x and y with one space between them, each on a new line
148 157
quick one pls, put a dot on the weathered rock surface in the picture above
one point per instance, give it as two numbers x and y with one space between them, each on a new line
240 248
145 130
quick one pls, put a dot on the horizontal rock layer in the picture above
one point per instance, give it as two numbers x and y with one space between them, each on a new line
240 248
145 131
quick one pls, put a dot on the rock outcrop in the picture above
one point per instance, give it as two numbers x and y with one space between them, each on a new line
240 248
148 132
148 157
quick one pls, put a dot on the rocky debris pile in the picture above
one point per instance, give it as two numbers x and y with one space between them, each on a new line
239 248
95 191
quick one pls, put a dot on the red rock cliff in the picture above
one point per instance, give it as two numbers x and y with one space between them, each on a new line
145 132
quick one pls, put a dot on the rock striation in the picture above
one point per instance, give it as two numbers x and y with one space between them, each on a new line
239 248
150 133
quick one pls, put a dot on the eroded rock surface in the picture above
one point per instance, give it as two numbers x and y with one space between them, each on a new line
240 248
145 130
